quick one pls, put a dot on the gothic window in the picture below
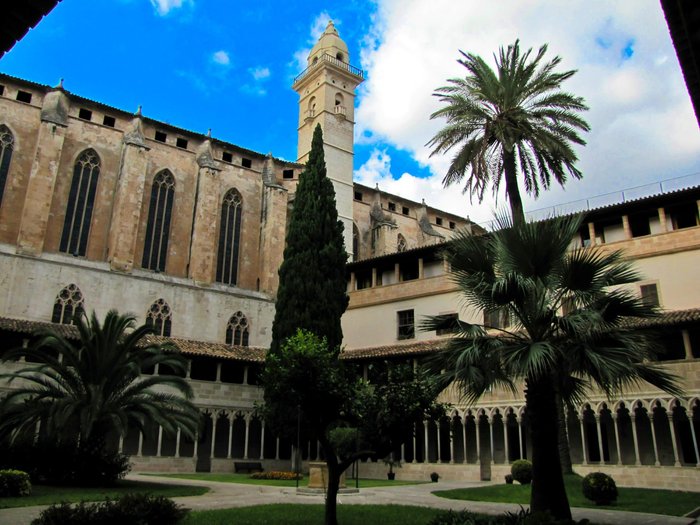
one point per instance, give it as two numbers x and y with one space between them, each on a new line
237 330
69 305
401 243
6 143
229 238
158 227
81 200
160 317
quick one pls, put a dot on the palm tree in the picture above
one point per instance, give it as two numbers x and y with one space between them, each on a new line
528 272
92 387
514 119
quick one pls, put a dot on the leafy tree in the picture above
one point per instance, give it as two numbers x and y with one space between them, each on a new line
509 122
528 272
82 391
312 289
351 418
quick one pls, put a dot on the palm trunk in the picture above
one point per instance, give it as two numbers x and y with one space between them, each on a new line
512 190
564 451
548 492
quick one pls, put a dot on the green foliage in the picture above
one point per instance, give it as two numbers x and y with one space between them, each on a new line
276 475
83 390
599 488
14 483
66 463
509 479
522 517
312 283
135 509
521 470
509 122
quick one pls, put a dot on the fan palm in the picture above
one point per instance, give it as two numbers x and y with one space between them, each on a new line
514 119
92 387
528 272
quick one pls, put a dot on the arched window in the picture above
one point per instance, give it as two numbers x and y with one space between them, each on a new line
69 305
160 209
237 330
81 200
160 317
401 243
339 99
7 142
229 238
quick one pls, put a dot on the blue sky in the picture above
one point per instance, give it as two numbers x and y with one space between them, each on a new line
228 66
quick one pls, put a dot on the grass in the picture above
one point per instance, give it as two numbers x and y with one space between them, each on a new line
47 494
289 514
668 502
246 479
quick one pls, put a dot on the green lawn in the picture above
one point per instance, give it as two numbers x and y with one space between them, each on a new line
669 502
46 494
288 514
246 479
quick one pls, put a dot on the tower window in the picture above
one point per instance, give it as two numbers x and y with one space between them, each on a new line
85 114
438 221
339 56
81 201
181 143
227 156
246 163
2 90
288 174
452 225
358 196
109 121
160 136
405 210
24 96
392 206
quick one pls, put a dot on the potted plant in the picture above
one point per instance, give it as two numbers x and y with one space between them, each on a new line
434 476
391 463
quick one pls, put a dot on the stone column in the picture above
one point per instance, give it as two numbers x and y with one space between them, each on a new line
583 440
452 444
617 439
672 428
218 372
662 219
626 226
653 438
374 277
505 439
633 418
493 452
245 375
160 440
353 282
214 417
121 444
139 452
277 448
128 197
46 161
591 233
195 450
464 441
231 417
687 345
521 455
421 273
477 424
177 443
397 273
247 434
415 452
439 447
426 445
600 439
262 440
695 438
403 453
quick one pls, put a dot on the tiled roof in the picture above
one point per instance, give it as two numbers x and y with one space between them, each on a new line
399 349
186 346
669 319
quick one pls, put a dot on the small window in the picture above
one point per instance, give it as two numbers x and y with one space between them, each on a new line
24 96
181 143
392 206
450 325
452 225
496 318
438 221
339 56
639 224
405 325
85 114
358 196
2 90
246 163
683 215
109 121
649 294
405 210
288 174
160 136
227 156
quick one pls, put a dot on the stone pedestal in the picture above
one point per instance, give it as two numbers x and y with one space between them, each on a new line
318 476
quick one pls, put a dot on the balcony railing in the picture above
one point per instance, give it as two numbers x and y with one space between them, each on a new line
331 60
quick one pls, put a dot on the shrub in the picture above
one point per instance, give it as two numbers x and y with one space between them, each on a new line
509 479
523 517
135 509
275 474
522 471
599 488
14 483
434 476
463 517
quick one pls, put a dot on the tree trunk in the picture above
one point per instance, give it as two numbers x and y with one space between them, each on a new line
564 450
548 492
334 472
512 190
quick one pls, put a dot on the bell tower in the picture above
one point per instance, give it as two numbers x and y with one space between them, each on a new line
326 91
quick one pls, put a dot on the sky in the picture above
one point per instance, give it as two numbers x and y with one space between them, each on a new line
229 65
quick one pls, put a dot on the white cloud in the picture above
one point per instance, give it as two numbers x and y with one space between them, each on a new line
221 57
260 73
643 126
163 7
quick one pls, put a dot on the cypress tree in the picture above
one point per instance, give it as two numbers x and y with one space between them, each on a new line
312 282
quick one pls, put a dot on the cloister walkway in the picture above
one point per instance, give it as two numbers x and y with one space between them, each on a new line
229 495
